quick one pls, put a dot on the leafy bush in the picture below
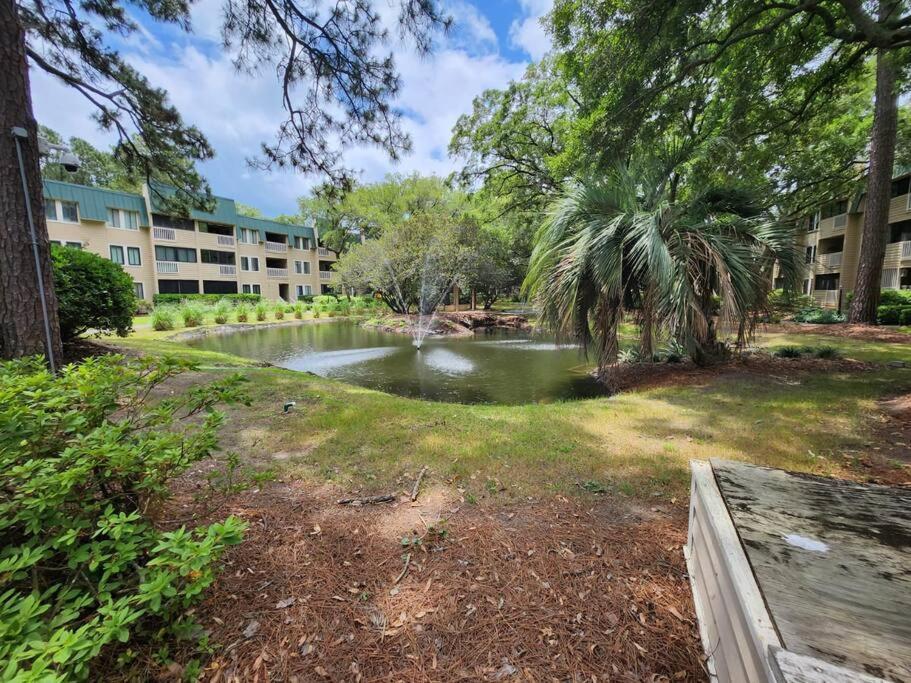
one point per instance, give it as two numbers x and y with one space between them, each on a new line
193 314
143 307
163 318
325 299
895 297
279 310
317 310
243 312
83 457
905 317
299 309
827 352
629 356
893 314
159 299
261 310
819 316
789 352
783 303
93 293
222 311
674 352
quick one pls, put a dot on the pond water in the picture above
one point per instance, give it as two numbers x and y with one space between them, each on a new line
499 366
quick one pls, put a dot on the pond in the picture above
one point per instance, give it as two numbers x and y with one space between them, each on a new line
499 366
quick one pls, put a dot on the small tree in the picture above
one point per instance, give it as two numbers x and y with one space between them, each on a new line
93 293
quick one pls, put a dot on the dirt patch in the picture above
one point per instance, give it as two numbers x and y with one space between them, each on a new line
548 590
633 376
873 333
890 448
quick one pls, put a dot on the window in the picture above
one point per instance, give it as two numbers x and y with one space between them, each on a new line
56 243
50 209
225 258
162 221
811 254
219 287
73 245
834 209
139 290
249 236
308 289
70 211
302 267
121 218
175 254
134 256
249 263
813 222
117 254
904 278
178 287
251 289
900 232
827 282
216 229
302 243
901 186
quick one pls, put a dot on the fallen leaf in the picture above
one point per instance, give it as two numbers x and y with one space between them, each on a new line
287 602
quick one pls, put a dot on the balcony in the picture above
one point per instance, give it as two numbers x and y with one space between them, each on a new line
167 267
906 250
827 298
276 247
169 234
325 275
831 260
322 251
281 273
227 270
226 240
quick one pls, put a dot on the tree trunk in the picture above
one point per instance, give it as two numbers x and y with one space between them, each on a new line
22 330
879 182
646 325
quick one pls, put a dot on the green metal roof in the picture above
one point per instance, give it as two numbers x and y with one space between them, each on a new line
95 201
224 212
264 225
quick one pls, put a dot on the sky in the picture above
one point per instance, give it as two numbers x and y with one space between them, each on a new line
492 42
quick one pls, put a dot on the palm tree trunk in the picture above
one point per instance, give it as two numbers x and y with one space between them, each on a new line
22 332
879 182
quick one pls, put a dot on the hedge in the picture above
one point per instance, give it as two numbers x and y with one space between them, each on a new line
205 298
894 315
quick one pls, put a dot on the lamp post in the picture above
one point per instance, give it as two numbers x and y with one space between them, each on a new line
71 163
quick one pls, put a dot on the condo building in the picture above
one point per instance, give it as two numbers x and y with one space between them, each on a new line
221 252
831 240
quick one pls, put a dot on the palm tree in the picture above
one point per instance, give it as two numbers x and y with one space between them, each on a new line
628 240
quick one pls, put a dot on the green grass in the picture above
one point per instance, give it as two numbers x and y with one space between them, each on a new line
638 443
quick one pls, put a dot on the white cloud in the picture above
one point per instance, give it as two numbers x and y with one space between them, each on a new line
528 33
237 112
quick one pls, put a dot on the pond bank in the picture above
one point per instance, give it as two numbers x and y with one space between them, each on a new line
460 323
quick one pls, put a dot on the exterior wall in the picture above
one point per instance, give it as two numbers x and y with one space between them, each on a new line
845 264
95 235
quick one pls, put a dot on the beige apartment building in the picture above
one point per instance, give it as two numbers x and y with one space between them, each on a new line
832 243
221 252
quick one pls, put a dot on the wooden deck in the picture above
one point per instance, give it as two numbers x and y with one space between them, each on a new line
832 560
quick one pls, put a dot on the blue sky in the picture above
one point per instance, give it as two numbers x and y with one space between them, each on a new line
492 43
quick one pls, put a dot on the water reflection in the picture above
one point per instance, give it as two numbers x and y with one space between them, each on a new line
501 366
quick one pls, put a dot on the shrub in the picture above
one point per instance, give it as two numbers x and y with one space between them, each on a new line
299 309
819 316
892 314
317 310
193 314
827 352
222 311
788 352
163 318
629 356
243 312
205 298
261 310
279 310
905 317
143 307
783 303
895 297
82 459
325 299
93 293
674 352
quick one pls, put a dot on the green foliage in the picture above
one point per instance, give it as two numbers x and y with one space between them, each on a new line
819 316
278 310
788 352
895 297
261 310
299 308
160 299
83 457
92 293
163 318
827 352
242 311
193 314
222 311
783 303
324 299
893 314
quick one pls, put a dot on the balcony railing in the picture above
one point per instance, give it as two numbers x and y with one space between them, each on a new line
225 240
322 251
227 270
832 260
278 247
164 234
277 272
906 249
167 267
325 275
826 297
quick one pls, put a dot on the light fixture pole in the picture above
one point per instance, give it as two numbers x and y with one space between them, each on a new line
21 134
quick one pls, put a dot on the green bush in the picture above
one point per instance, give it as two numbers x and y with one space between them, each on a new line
278 310
895 297
93 293
789 352
243 312
325 299
261 310
193 314
222 311
143 307
83 458
827 352
299 309
159 299
819 316
163 318
905 317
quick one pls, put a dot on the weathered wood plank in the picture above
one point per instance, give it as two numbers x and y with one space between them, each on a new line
833 562
794 668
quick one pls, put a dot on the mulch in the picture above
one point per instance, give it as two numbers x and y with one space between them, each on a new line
549 590
872 333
